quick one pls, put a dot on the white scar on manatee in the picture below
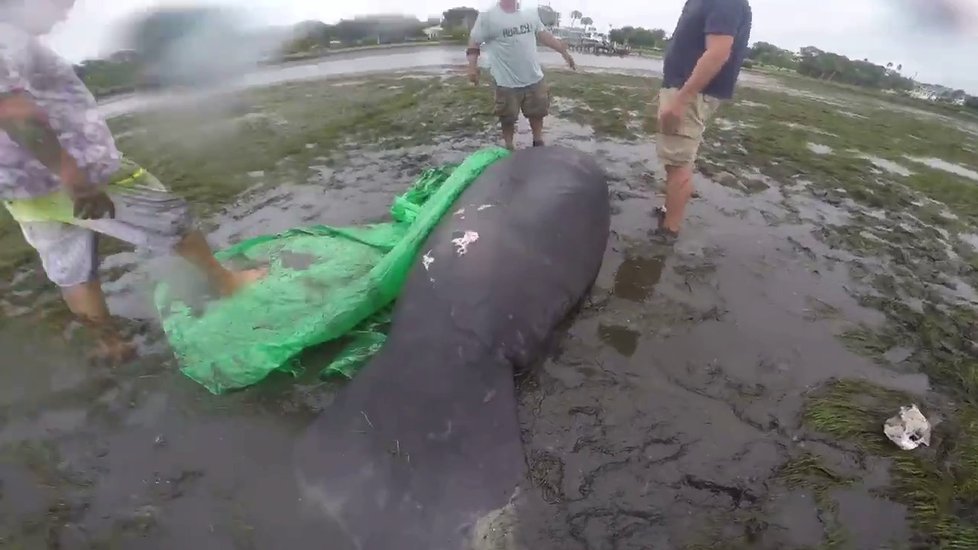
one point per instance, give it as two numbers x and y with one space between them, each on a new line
427 260
460 212
483 207
462 243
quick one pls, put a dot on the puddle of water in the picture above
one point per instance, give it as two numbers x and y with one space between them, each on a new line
624 340
754 104
637 277
819 149
887 165
881 523
950 167
727 124
970 238
561 104
805 127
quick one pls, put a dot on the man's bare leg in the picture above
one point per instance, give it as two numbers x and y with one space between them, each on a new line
194 249
536 126
679 188
509 135
87 302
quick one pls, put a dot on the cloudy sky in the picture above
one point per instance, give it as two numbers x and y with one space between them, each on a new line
881 30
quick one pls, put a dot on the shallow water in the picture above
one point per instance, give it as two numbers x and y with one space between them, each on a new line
660 419
888 165
950 167
439 59
819 149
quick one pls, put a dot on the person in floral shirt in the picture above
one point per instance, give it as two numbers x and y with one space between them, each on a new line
64 181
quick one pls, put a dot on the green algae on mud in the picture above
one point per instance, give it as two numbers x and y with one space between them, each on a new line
902 230
939 484
808 471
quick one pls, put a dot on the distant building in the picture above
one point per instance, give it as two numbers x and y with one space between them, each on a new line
434 33
923 92
938 93
572 36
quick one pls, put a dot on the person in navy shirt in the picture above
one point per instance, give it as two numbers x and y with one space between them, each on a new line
702 64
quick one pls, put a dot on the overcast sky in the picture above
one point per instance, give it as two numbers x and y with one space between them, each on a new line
881 30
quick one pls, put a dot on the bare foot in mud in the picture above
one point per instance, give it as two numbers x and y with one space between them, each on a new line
237 280
660 216
113 352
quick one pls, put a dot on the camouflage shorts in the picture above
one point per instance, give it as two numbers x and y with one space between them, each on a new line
533 101
148 216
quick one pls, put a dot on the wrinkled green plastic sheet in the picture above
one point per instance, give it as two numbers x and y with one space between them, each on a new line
324 284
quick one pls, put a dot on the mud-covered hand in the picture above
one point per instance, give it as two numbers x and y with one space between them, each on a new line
671 115
473 75
92 204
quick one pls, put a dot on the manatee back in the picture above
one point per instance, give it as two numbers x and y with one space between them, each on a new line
523 246
424 444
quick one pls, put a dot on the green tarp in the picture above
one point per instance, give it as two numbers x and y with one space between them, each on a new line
324 283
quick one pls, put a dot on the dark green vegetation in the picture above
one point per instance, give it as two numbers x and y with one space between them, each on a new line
940 485
832 67
639 37
835 69
104 77
360 31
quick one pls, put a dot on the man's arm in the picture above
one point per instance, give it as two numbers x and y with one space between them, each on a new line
27 125
721 26
718 50
547 38
476 37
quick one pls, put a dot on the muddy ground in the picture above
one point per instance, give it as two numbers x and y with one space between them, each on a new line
727 393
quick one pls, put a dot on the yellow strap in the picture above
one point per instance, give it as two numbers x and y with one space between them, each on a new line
56 207
131 179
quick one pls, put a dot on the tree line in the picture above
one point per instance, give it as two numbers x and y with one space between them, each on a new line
811 62
368 30
816 63
638 37
122 72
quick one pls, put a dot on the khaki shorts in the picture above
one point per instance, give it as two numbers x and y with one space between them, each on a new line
680 149
533 101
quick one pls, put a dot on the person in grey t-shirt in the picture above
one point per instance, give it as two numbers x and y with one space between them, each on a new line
510 35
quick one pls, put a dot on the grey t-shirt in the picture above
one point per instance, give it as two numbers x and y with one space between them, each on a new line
28 66
511 43
700 18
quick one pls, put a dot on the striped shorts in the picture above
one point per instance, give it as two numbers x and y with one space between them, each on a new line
147 216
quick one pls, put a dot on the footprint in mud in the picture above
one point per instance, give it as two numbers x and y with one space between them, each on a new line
637 277
622 339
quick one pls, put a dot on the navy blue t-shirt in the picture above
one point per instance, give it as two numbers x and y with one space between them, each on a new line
700 18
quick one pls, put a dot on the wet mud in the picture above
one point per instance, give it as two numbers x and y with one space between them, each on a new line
674 411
